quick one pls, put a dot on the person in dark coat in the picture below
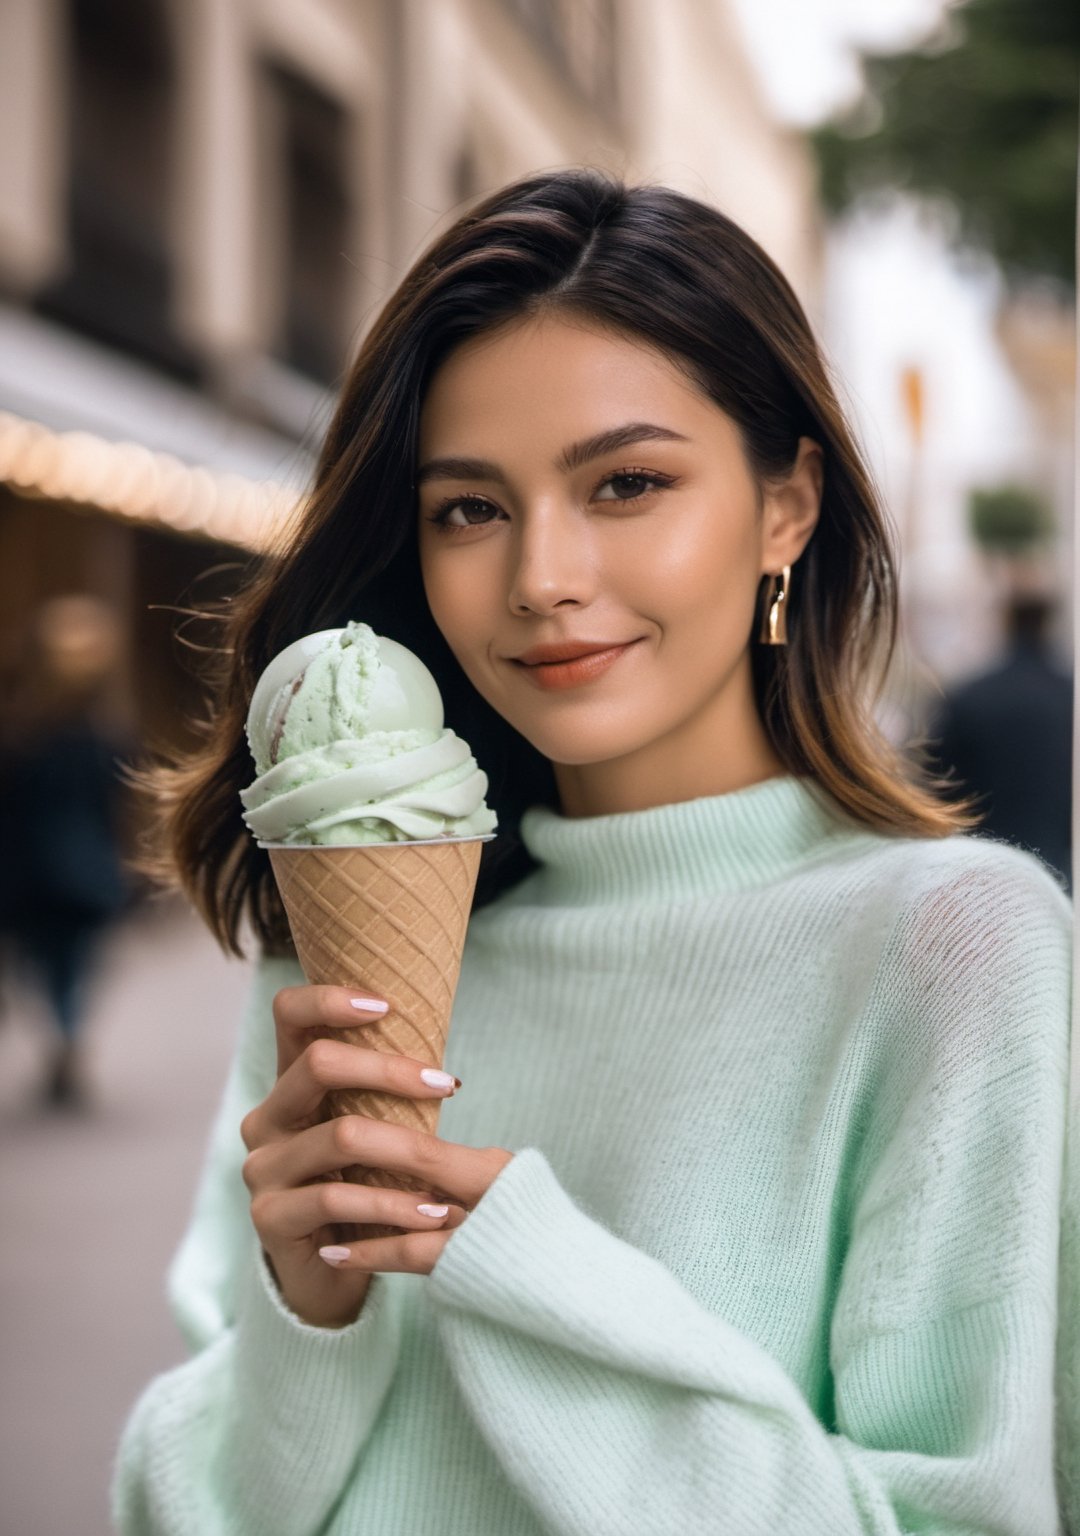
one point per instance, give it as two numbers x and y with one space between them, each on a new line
62 877
1008 735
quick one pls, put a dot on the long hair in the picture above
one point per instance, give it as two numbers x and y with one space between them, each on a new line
659 267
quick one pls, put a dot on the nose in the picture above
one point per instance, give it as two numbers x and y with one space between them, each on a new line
552 563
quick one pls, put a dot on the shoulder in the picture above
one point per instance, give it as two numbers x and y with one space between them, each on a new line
904 893
972 885
965 1033
979 961
965 881
970 940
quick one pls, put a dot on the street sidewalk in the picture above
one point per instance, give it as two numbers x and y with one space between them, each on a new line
92 1205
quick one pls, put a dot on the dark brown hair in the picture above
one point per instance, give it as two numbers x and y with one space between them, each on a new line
650 263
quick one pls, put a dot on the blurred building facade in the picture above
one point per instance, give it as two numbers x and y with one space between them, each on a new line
203 203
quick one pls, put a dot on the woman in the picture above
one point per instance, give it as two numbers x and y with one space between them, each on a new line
751 1190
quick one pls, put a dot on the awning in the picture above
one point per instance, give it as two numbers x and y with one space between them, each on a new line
82 424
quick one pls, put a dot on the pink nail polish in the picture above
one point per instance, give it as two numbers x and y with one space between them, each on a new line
334 1255
369 1004
435 1079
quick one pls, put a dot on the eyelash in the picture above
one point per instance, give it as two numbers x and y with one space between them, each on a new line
439 516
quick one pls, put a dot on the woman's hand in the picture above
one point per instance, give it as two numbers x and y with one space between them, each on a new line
295 1207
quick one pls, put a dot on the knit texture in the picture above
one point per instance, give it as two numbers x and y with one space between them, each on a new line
778 1250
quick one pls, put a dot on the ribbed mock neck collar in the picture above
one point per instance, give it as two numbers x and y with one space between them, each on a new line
745 838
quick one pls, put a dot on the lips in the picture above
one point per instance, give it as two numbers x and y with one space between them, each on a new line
546 655
584 667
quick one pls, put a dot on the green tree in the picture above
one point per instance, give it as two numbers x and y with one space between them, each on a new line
985 116
1010 519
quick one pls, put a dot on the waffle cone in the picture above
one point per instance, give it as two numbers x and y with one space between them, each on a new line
388 919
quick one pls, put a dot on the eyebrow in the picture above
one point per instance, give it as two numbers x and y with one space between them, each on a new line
571 458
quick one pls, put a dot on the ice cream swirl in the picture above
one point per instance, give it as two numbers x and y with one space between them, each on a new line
392 786
346 729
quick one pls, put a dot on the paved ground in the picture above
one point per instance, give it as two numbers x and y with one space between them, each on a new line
91 1208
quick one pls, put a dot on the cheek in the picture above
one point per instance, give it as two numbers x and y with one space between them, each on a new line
438 590
456 606
705 571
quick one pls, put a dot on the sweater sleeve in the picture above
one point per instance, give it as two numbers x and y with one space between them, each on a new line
617 1402
1068 1345
258 1432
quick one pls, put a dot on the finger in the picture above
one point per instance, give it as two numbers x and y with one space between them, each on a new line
413 1253
291 1214
359 1141
327 1064
300 1010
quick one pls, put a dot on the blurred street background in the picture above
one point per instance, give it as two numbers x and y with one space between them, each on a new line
203 204
91 1205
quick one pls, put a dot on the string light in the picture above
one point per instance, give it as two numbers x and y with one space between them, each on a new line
133 482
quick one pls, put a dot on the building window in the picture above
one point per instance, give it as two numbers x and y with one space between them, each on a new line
315 225
117 282
579 37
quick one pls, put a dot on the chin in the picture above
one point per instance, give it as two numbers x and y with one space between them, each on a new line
578 748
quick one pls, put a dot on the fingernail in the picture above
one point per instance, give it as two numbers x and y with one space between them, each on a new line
334 1255
369 1004
430 1210
441 1080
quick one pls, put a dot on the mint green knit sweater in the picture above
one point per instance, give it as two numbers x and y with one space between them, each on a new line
777 1254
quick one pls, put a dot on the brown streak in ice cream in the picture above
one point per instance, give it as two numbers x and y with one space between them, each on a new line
279 729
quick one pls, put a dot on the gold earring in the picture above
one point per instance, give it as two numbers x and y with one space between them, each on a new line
774 622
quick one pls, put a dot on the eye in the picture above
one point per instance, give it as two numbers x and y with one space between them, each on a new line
632 484
466 504
626 485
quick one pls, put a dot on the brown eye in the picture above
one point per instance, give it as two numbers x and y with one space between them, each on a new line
626 487
466 505
632 485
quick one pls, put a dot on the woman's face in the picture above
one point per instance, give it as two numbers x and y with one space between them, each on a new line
574 486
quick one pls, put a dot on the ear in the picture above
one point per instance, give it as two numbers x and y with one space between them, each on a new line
792 507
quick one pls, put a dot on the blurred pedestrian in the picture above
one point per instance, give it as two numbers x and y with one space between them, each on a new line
1008 735
62 880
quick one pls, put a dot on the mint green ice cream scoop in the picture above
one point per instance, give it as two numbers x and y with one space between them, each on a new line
346 729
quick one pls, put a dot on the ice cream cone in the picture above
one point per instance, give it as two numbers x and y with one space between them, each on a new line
390 920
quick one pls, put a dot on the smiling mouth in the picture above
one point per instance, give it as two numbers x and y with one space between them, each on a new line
558 655
579 669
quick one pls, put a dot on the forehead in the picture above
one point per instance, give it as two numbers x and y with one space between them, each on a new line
546 371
